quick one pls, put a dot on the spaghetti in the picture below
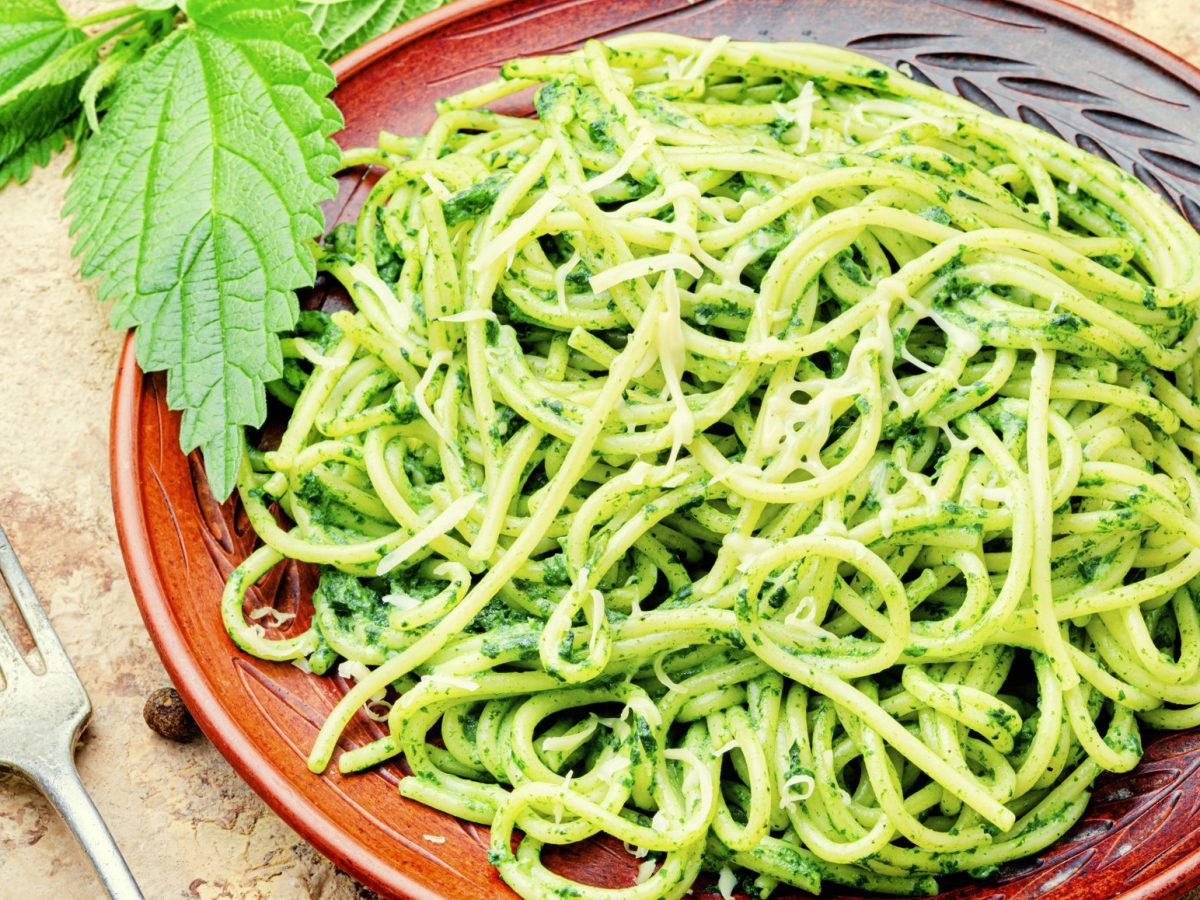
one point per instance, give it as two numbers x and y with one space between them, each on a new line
759 457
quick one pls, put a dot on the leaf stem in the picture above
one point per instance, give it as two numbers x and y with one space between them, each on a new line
104 16
104 37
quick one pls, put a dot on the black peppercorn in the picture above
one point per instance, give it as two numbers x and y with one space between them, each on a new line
165 713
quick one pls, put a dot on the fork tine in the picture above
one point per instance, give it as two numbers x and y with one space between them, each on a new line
12 664
36 620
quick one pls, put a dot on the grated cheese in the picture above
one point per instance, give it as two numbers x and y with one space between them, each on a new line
746 548
521 227
635 151
611 768
278 618
400 313
645 871
439 359
636 851
640 268
353 670
452 681
807 785
570 741
804 612
445 520
369 709
402 602
470 315
798 111
566 786
560 279
673 360
726 882
661 674
706 58
638 472
436 187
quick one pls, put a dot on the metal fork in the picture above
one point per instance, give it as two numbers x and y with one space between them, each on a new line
41 718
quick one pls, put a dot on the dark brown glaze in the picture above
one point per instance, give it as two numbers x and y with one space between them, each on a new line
1042 61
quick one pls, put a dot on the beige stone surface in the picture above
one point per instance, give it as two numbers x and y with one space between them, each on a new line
188 825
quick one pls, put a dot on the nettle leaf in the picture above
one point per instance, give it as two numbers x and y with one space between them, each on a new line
43 61
31 32
104 76
196 204
343 25
416 8
37 152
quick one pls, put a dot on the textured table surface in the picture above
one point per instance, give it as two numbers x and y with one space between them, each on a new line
188 825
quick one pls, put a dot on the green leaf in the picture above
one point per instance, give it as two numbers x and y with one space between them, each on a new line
344 25
40 103
101 78
37 152
31 32
43 61
414 8
197 201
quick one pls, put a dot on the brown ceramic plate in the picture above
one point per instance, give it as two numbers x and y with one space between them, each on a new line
1040 60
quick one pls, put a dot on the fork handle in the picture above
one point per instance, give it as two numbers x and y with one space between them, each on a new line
62 787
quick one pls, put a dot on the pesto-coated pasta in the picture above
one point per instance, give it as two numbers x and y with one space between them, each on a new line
757 456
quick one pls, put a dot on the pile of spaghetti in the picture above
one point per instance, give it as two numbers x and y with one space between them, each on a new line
757 456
